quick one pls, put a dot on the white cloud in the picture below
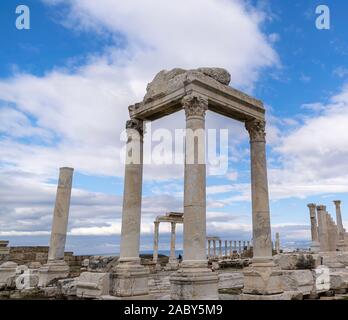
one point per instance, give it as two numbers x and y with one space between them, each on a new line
74 115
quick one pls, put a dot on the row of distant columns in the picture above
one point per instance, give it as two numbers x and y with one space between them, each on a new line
230 247
321 228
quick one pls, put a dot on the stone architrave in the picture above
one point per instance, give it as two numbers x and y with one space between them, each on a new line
315 247
262 277
194 280
130 277
56 267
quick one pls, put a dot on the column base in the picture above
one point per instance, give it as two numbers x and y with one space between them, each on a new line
130 279
262 279
341 246
53 270
172 265
315 247
194 283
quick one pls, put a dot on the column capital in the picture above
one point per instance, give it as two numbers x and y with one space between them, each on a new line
137 125
311 206
321 208
194 106
256 129
337 203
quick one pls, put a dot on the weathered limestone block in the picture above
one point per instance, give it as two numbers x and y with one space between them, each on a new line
298 280
297 261
168 81
29 279
231 280
67 287
331 260
8 275
287 295
101 263
194 284
130 280
343 259
52 271
339 280
4 250
159 284
93 285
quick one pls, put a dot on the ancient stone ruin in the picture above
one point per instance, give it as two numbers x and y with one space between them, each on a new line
211 267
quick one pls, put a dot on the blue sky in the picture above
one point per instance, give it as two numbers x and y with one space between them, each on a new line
65 85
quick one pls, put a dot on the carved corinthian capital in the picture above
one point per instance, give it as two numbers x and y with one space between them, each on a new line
194 106
135 124
256 129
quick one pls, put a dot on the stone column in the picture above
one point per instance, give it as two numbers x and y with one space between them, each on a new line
248 245
131 278
173 262
155 241
226 247
231 250
263 277
315 247
240 246
194 280
323 229
214 248
56 267
209 245
220 249
341 246
277 243
235 246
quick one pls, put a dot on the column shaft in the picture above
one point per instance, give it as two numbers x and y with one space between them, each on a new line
195 182
155 242
172 242
61 215
259 189
131 214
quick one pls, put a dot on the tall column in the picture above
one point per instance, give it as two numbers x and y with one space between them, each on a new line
214 248
231 250
61 215
220 248
277 243
248 245
173 262
244 245
323 228
226 247
131 279
314 228
209 245
235 246
56 267
194 280
240 246
155 241
341 231
259 189
262 277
